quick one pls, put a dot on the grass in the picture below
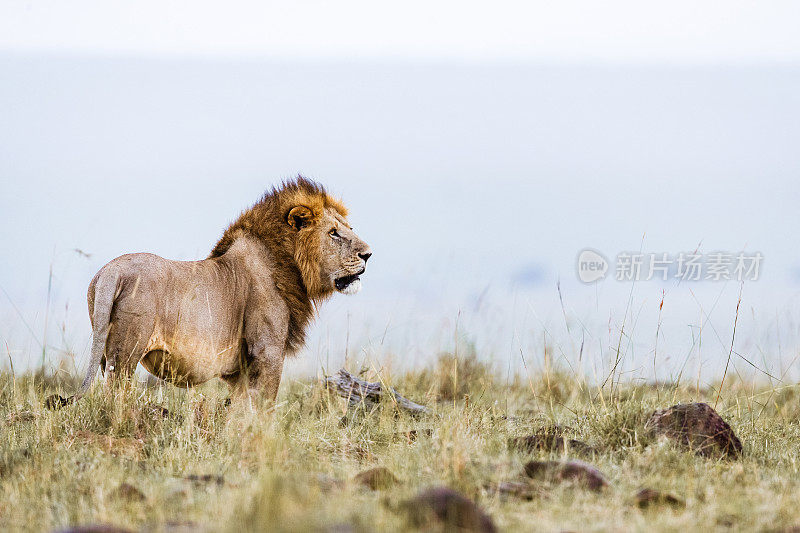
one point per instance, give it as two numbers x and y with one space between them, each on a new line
291 467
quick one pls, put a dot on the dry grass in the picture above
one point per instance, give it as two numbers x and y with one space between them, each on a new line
210 467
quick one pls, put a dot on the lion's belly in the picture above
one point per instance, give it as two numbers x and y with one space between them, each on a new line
196 334
190 362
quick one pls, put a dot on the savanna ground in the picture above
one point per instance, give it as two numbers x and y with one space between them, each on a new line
113 459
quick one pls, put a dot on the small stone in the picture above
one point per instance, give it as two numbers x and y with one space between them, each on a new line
649 497
557 471
126 491
696 426
378 478
449 508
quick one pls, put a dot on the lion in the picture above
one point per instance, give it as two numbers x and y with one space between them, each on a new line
237 314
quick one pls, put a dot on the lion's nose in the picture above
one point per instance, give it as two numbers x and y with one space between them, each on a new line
365 256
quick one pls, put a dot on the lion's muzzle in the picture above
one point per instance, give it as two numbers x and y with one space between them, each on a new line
349 284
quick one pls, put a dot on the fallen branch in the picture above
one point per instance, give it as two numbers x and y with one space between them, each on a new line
359 392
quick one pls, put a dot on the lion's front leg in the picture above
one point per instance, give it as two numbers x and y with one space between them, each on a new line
262 375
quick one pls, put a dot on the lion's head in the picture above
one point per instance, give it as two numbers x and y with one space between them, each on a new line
303 225
330 255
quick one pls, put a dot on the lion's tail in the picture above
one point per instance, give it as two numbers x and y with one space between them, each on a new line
103 290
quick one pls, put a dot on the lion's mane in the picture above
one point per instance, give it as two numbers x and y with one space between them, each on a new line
295 253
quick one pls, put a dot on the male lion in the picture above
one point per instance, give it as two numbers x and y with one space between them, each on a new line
237 314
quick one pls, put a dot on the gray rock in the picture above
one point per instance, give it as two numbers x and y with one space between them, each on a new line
649 497
449 508
696 426
558 471
377 478
126 491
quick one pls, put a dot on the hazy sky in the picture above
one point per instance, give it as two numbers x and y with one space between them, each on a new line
479 149
463 179
679 31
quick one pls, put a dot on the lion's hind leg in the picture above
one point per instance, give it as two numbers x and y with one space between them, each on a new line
124 350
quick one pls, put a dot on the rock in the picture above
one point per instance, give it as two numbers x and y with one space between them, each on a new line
696 426
449 508
126 491
557 471
649 497
550 441
378 478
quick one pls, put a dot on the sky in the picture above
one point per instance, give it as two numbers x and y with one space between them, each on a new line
633 31
479 151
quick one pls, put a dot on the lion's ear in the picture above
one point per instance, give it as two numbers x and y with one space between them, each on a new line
299 217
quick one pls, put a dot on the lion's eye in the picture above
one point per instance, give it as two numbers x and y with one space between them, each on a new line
334 233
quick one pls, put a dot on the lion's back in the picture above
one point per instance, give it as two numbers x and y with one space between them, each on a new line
140 274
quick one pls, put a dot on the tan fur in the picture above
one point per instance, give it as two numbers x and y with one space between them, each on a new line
238 313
